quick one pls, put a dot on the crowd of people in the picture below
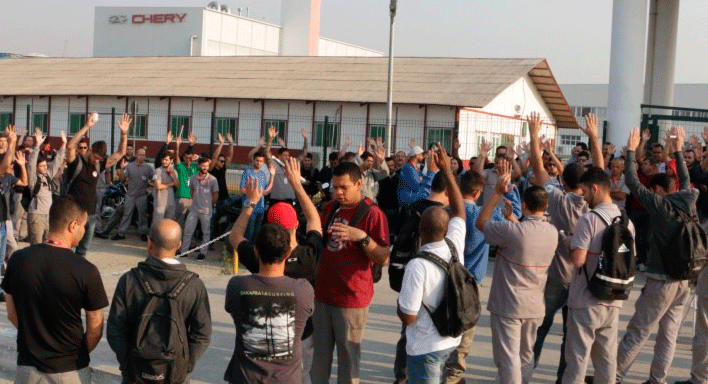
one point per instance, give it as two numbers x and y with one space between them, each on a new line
315 242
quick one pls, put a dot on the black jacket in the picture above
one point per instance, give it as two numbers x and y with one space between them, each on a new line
129 300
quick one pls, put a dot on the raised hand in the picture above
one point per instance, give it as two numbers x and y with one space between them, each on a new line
62 134
412 143
456 144
380 153
20 158
178 141
281 142
304 133
272 132
124 124
503 182
253 191
170 137
611 149
221 139
704 134
646 135
38 137
11 133
192 138
534 122
680 137
442 159
431 159
508 209
348 141
360 149
229 138
484 147
634 140
90 122
590 125
261 141
292 170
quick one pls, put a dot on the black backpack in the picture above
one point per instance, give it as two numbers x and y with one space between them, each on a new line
685 256
460 308
359 215
614 275
405 247
159 351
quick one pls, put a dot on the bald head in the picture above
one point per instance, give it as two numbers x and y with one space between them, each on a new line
433 225
165 239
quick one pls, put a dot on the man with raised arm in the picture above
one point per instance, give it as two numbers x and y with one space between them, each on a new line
83 171
52 345
424 282
218 167
565 206
40 173
186 168
304 255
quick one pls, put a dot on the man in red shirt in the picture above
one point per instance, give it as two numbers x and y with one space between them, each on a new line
344 284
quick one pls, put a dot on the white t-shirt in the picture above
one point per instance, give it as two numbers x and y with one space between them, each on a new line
423 283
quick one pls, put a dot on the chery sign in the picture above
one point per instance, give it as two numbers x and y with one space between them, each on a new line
158 18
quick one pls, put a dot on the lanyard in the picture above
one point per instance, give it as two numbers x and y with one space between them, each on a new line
57 243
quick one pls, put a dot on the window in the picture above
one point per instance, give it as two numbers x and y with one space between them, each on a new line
180 123
139 127
569 139
332 135
376 131
507 140
442 135
41 120
280 125
226 125
5 120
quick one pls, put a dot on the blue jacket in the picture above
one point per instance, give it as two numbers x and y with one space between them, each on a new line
410 187
476 247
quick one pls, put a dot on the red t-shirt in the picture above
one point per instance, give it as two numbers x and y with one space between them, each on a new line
344 277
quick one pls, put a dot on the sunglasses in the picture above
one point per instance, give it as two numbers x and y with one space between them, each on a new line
80 147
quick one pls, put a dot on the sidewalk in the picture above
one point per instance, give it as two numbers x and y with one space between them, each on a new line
378 348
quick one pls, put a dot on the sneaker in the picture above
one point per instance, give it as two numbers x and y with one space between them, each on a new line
101 235
144 237
201 257
118 236
2 296
589 379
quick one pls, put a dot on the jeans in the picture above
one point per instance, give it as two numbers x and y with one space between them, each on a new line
254 225
555 297
399 363
85 242
3 246
427 368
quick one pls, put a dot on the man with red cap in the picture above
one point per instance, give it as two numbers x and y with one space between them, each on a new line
304 257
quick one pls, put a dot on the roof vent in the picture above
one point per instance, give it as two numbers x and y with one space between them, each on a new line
213 5
225 8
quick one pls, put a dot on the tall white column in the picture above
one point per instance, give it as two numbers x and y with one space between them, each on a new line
629 24
661 53
300 32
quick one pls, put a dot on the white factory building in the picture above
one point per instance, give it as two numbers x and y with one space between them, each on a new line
435 99
214 30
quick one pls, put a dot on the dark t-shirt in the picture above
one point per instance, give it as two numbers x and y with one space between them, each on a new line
311 175
269 314
220 175
302 263
50 286
83 188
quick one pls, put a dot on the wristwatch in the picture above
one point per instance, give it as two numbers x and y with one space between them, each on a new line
365 241
250 204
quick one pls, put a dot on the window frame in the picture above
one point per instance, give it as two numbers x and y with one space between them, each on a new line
282 133
174 128
44 126
234 129
143 117
441 131
318 134
5 120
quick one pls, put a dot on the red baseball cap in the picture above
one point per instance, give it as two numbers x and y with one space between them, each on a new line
283 214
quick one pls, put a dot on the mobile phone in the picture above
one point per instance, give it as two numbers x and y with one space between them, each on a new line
94 117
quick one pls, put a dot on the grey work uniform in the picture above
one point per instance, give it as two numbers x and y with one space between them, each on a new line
201 210
101 187
592 323
564 209
282 190
138 176
662 299
371 178
41 189
165 205
525 252
699 367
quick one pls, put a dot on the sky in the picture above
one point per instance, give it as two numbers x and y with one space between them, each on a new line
573 35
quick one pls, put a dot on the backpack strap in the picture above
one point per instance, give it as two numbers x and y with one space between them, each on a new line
173 294
181 284
435 259
330 216
361 212
76 173
603 215
453 250
142 279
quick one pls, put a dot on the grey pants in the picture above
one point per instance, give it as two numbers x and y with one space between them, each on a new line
130 203
308 349
166 212
30 375
191 224
183 206
99 202
660 303
19 218
343 327
699 368
512 347
592 334
37 227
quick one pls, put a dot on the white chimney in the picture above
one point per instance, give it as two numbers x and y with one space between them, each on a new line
300 34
